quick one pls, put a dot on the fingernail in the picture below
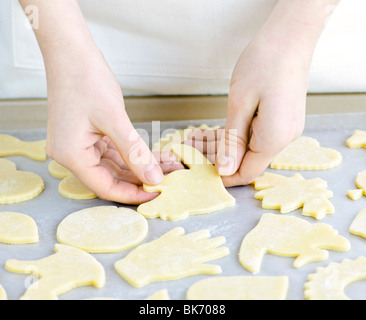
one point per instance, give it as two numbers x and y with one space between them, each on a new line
153 175
225 165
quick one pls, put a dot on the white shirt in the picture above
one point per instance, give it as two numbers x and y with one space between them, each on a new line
181 46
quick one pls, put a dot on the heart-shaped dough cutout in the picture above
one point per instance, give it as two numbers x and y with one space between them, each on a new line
305 153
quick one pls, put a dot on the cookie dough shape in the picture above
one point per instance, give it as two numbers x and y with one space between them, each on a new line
177 137
103 229
305 153
239 288
172 256
357 140
70 186
358 226
291 193
68 268
10 146
17 186
330 282
361 185
17 228
3 295
291 237
184 192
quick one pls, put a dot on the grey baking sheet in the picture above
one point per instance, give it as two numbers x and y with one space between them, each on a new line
50 208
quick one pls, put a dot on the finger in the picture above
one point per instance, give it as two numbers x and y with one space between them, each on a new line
119 173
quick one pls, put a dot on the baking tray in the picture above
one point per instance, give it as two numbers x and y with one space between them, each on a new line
50 208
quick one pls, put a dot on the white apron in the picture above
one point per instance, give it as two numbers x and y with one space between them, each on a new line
181 46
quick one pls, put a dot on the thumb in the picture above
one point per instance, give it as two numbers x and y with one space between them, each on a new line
134 151
234 140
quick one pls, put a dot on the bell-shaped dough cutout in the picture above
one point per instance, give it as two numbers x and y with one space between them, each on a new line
68 268
17 186
184 192
103 229
10 146
305 153
289 236
17 228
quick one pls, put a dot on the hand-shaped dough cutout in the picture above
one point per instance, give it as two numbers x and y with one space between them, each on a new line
17 228
289 236
239 288
288 194
357 140
10 146
329 283
68 268
305 153
172 256
195 191
70 186
17 186
361 185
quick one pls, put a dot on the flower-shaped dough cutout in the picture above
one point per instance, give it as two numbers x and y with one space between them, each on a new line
305 153
68 268
172 256
10 146
289 236
357 140
291 193
330 282
239 288
70 186
17 186
183 192
17 228
361 185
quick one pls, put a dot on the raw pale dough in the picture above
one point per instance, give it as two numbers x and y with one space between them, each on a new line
68 268
17 186
159 295
361 185
357 140
177 137
172 256
10 146
305 153
358 226
195 191
17 228
103 229
329 283
291 193
70 186
289 236
239 288
3 295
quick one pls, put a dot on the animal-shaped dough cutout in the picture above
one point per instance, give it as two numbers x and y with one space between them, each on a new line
330 282
17 228
70 186
305 153
361 185
10 146
103 229
172 256
239 288
68 268
17 186
358 226
290 193
357 140
184 192
3 295
177 137
289 236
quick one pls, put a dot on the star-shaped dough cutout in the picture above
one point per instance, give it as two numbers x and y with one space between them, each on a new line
292 193
357 140
305 153
195 191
